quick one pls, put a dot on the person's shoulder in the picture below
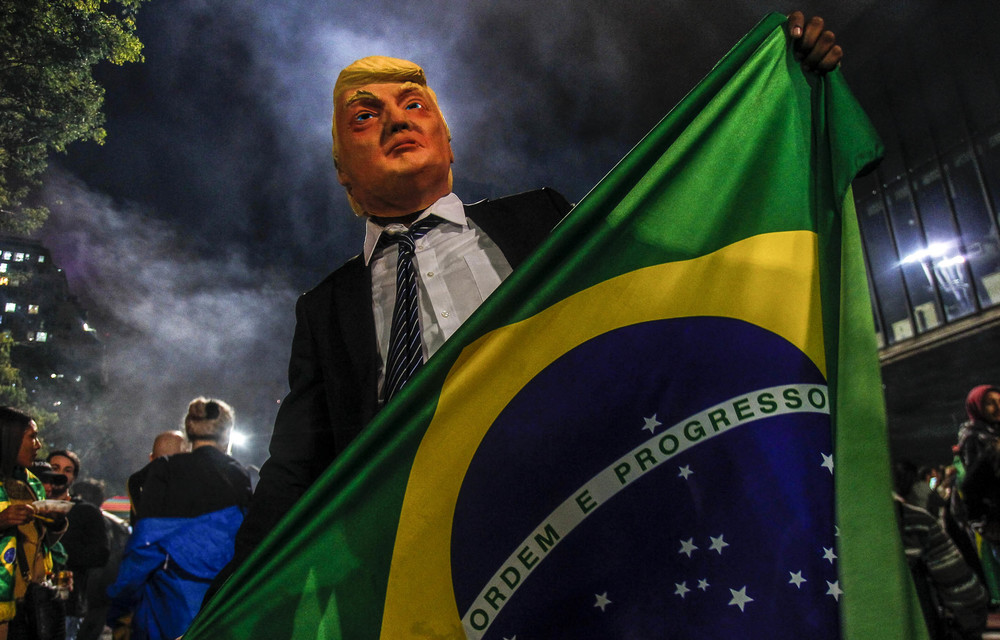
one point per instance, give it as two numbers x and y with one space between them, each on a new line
221 457
350 270
81 506
166 465
916 514
543 198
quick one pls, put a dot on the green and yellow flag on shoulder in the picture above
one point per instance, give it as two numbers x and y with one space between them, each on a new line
667 423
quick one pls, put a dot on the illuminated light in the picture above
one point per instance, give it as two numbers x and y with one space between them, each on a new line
41 336
951 262
53 376
238 439
934 250
4 281
10 306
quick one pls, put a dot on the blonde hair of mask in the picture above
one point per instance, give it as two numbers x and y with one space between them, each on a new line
372 70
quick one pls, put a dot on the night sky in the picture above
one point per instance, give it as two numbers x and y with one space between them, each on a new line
214 203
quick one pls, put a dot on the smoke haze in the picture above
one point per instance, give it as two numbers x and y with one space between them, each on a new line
214 203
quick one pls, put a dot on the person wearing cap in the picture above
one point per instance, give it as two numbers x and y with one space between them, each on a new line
191 506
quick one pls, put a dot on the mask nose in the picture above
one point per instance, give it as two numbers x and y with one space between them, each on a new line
398 120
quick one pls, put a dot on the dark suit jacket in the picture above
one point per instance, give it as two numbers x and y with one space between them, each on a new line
333 372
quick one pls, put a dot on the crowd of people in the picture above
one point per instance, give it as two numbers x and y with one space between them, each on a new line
147 579
950 522
70 570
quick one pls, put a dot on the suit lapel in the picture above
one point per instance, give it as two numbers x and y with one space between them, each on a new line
352 302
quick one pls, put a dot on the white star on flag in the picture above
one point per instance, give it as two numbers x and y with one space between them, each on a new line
651 424
688 547
740 598
796 579
602 600
829 555
718 544
685 471
681 589
827 462
703 584
833 589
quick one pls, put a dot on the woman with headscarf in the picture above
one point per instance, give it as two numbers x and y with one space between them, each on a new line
23 537
978 496
188 508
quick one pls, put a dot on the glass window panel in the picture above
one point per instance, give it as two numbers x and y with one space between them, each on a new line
944 259
884 270
917 269
988 148
977 227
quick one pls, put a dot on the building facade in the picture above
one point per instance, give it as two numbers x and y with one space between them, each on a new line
59 355
928 74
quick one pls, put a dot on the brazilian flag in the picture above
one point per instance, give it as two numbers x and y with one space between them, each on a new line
667 424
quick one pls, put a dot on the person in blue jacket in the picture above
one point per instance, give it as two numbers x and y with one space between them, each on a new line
188 509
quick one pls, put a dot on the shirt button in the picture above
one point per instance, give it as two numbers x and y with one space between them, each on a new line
445 314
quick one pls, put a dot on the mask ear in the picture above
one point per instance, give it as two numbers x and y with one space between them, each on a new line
343 180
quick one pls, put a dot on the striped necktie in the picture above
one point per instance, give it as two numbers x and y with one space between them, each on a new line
405 348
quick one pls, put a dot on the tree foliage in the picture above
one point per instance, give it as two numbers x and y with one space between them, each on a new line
13 393
48 95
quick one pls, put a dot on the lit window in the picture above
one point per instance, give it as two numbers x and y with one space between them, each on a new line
41 336
11 306
4 281
3 267
18 257
7 255
32 309
41 258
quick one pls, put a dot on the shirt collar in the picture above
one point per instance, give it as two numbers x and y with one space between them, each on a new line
449 208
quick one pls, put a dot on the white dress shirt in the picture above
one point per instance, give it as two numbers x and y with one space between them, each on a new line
458 267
